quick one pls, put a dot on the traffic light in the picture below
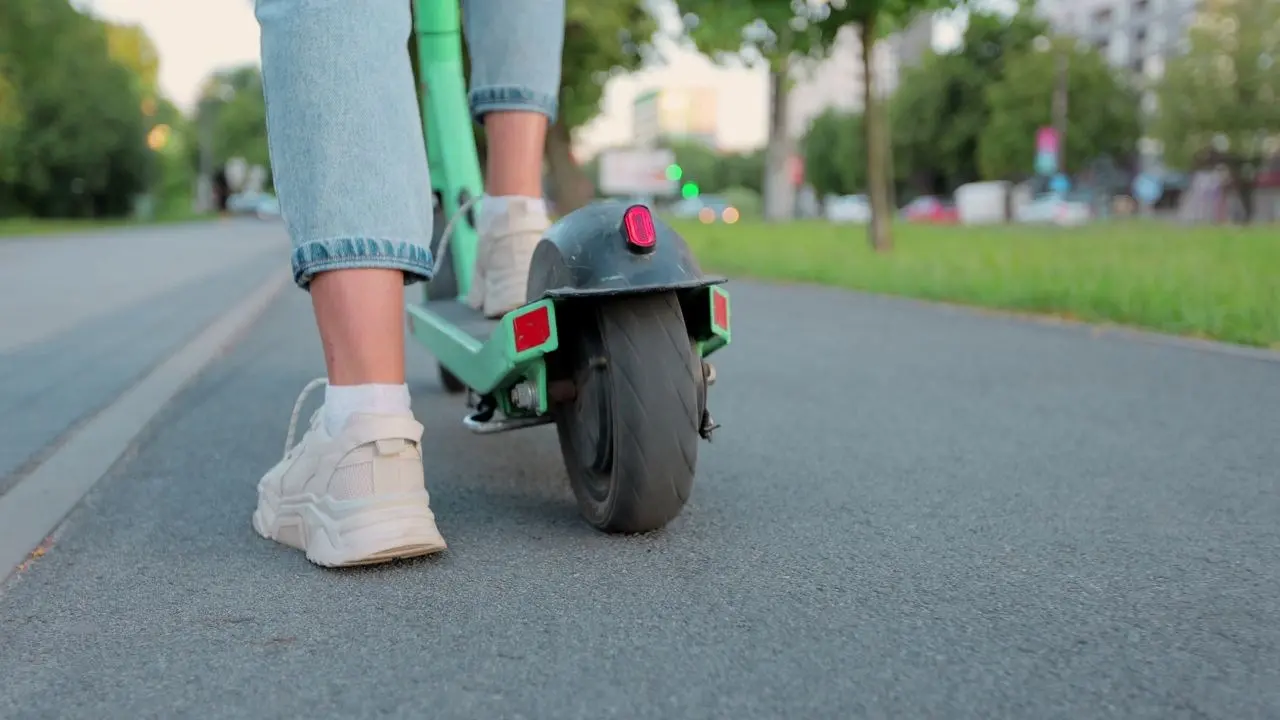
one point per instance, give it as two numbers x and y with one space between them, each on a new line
689 190
674 172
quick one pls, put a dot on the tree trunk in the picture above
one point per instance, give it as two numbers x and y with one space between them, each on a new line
1245 188
879 229
1243 184
570 186
779 192
886 127
886 139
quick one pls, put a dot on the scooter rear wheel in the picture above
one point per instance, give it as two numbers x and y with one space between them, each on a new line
630 436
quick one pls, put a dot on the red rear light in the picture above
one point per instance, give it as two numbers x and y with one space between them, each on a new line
720 309
637 224
532 329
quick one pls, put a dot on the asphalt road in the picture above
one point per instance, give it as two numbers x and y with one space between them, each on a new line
910 511
83 317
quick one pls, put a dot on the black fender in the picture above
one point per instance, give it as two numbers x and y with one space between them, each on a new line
587 253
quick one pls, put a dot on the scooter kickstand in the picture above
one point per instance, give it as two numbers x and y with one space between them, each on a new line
708 425
484 420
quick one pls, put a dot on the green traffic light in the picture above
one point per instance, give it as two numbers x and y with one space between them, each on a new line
690 190
674 172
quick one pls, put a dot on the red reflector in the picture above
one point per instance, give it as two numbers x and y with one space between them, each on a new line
637 223
532 328
720 309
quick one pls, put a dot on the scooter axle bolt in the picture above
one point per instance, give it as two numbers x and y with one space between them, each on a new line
524 396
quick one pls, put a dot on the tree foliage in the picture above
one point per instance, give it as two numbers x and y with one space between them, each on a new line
940 107
1102 117
1227 86
11 122
715 172
1223 95
600 40
232 113
130 46
835 153
776 31
775 34
78 146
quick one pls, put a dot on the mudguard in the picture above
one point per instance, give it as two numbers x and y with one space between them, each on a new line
587 253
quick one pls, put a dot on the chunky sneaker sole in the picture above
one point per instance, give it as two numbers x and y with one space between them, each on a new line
344 533
355 499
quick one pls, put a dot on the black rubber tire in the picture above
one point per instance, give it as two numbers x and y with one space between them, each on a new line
451 383
639 403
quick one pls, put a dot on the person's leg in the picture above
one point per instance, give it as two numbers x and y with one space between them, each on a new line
515 78
350 168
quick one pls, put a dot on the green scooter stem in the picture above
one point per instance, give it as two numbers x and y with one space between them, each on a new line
447 125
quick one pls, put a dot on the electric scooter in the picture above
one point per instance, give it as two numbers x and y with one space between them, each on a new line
612 342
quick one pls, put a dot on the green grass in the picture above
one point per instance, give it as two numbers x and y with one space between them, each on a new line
29 227
1212 282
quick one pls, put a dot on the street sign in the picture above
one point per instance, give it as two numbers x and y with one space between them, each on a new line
1047 148
795 168
1046 163
1147 188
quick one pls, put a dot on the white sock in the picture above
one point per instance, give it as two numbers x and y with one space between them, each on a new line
495 206
343 401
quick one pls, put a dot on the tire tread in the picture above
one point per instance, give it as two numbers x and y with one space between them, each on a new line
656 410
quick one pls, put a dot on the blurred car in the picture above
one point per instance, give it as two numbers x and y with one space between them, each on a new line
1054 209
847 209
263 206
931 209
707 208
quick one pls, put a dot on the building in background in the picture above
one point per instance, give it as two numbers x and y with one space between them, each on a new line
911 45
682 114
1127 32
837 81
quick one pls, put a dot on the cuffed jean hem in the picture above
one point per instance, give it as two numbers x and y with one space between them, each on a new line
511 97
319 256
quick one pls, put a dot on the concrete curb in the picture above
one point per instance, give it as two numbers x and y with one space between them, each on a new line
35 507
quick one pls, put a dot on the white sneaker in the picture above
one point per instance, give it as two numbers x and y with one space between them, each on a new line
355 499
501 278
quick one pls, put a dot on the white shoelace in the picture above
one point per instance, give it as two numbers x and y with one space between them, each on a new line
448 231
297 409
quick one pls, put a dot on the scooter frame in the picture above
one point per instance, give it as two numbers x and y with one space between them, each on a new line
503 365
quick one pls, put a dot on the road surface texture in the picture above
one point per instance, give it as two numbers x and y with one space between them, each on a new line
83 317
911 512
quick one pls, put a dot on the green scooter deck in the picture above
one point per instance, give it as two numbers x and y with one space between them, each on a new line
464 317
488 355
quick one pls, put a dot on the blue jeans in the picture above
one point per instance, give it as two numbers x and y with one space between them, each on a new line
348 158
